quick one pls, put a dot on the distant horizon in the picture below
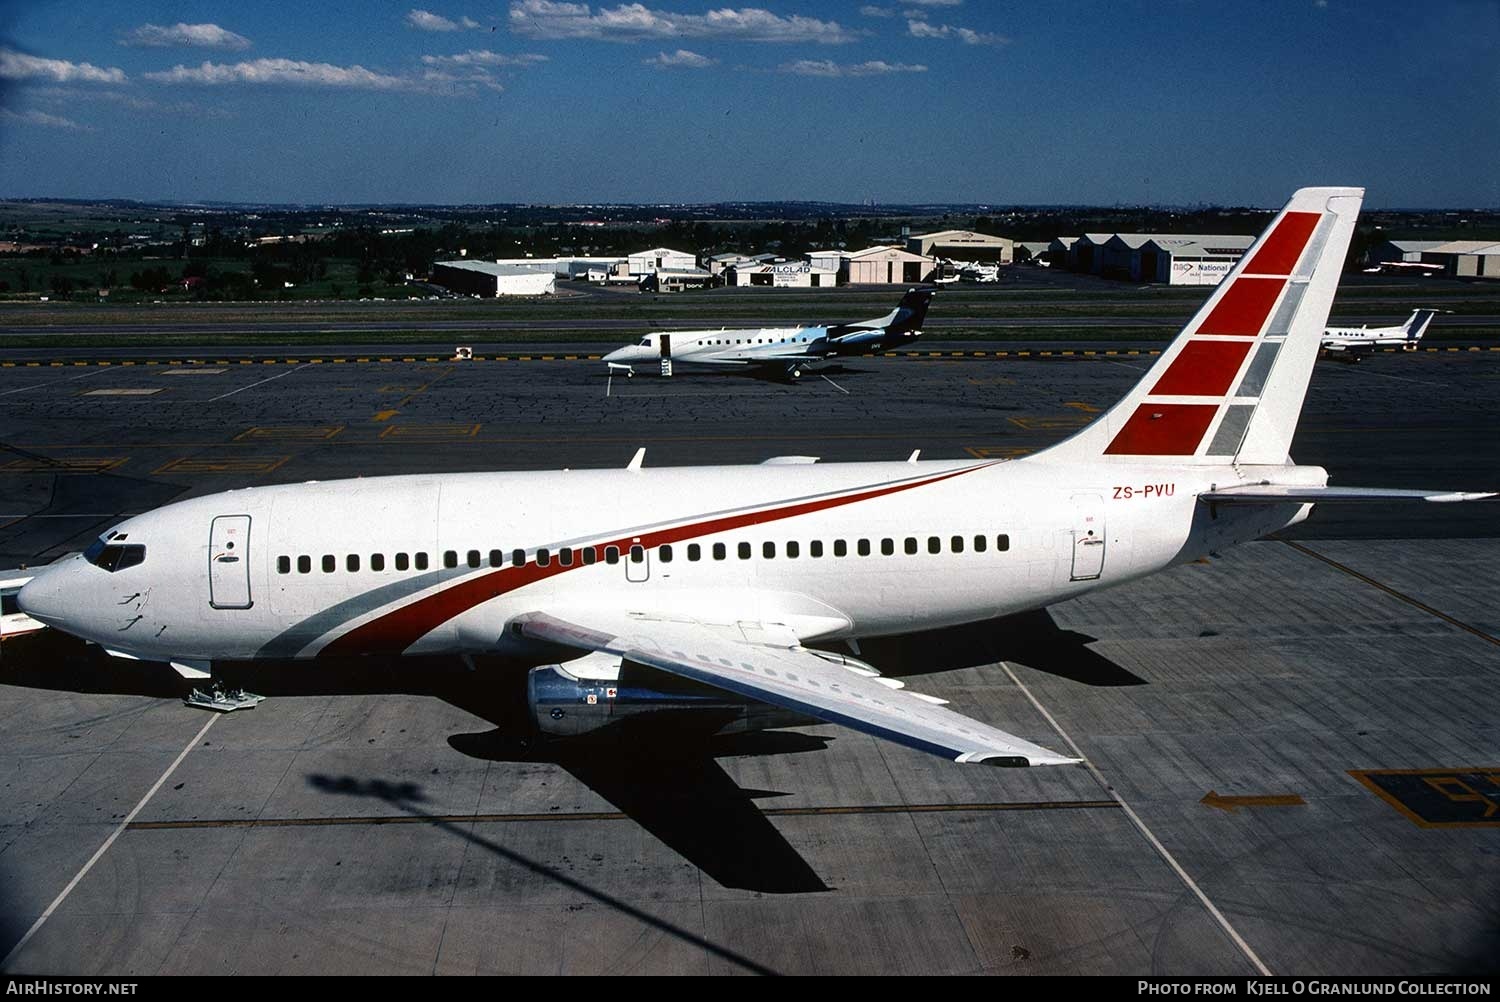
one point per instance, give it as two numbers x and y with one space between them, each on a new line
692 102
659 203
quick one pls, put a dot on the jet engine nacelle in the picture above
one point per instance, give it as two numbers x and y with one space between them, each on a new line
565 704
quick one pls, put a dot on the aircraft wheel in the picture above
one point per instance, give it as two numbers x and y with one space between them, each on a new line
795 373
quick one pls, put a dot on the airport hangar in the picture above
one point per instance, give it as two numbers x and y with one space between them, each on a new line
490 280
963 245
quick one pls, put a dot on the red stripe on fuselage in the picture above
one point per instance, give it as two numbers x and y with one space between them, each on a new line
398 629
1279 254
1202 369
1242 311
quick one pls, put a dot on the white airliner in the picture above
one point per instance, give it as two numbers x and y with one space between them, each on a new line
706 586
789 349
1364 339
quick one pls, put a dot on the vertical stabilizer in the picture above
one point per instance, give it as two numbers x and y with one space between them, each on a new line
1230 387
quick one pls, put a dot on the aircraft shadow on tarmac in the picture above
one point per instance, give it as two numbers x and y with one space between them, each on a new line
409 798
662 773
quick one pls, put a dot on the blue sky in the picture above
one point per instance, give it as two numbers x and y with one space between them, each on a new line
1166 102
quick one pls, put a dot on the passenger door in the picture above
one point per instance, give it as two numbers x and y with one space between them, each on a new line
229 562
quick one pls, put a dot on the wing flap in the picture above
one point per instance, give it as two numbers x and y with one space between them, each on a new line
790 677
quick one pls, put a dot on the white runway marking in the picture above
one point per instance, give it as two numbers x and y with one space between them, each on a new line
279 375
57 901
49 382
836 386
1135 818
1405 379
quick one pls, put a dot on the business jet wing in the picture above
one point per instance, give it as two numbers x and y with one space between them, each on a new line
792 677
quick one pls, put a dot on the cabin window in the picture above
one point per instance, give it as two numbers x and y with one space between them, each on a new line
981 544
543 558
377 561
815 548
419 560
351 563
768 550
403 561
304 564
1002 543
744 551
283 565
934 544
720 552
793 549
665 553
611 554
911 544
637 554
589 554
497 557
863 547
840 548
887 546
695 552
518 557
957 544
450 559
330 563
474 558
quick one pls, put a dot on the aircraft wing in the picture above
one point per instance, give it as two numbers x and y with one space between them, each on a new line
792 677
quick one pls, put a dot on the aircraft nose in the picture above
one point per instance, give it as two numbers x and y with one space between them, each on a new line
43 597
618 355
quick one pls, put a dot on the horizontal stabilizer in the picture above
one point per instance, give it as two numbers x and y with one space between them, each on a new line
1272 494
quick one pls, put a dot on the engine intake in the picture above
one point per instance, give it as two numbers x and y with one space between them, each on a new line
565 704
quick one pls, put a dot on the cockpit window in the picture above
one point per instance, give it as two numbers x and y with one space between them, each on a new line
645 342
114 557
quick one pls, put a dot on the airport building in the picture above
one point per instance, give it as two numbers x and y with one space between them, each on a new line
1402 251
875 265
1170 258
963 245
785 274
1466 258
1031 250
647 262
489 279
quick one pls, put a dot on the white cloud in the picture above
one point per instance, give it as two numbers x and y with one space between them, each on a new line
484 57
829 68
870 10
924 29
180 35
126 99
285 71
40 118
20 66
634 22
426 20
681 59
